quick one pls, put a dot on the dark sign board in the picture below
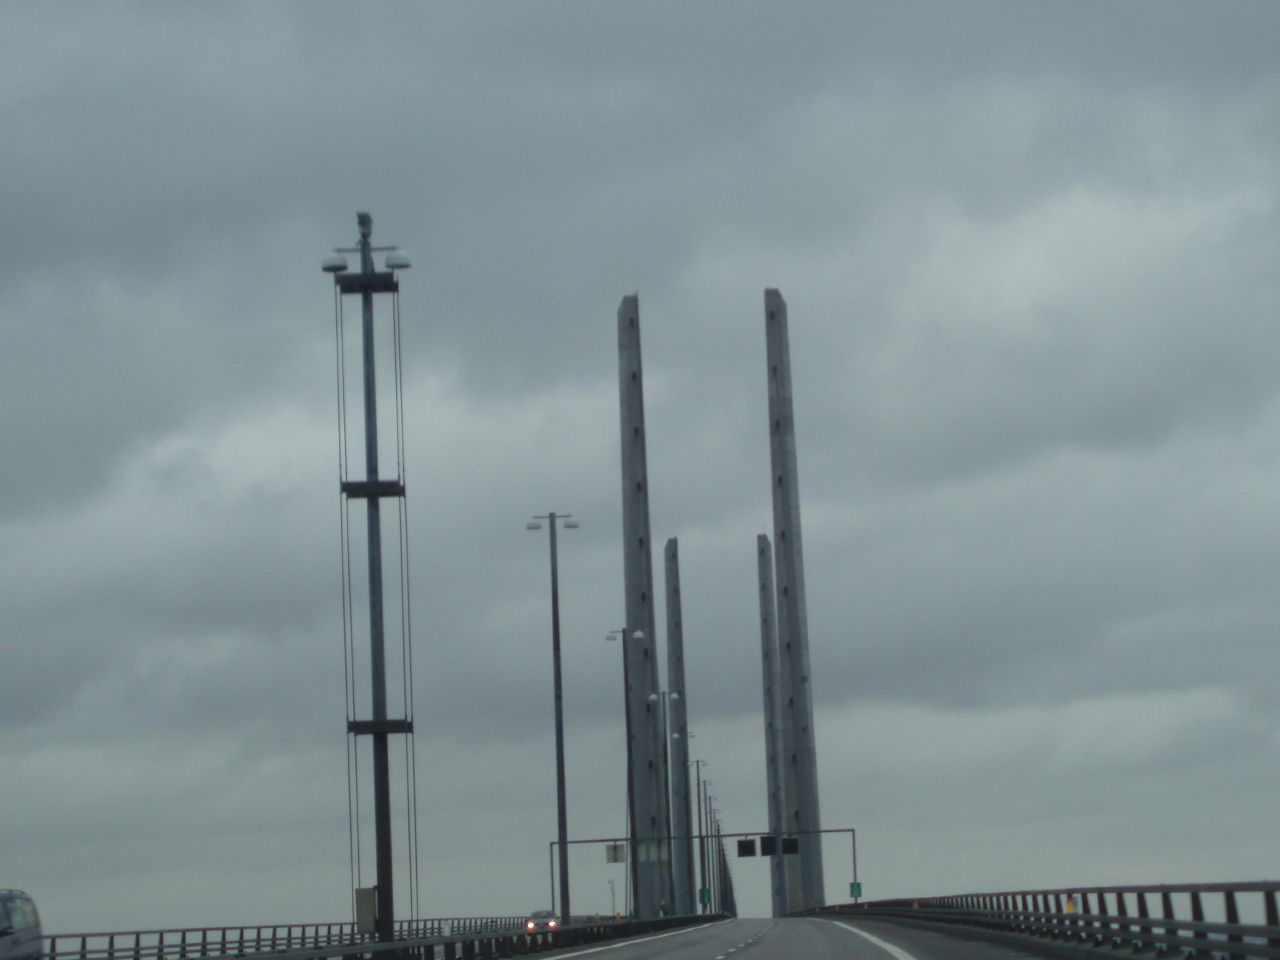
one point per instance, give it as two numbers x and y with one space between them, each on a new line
790 844
768 846
747 848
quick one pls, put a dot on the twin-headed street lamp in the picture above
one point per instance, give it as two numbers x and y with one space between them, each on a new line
561 813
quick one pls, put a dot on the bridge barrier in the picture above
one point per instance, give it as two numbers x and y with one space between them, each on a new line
451 938
1192 920
194 942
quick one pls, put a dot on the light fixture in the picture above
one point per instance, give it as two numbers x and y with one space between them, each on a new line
533 525
336 263
398 260
571 524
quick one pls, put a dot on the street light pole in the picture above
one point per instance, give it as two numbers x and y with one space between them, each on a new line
710 877
702 841
631 795
713 854
562 820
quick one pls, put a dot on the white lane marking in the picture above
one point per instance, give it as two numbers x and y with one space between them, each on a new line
656 936
897 952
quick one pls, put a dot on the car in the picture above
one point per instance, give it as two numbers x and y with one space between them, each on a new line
20 933
541 921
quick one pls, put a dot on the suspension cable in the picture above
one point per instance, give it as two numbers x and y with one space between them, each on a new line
406 624
354 852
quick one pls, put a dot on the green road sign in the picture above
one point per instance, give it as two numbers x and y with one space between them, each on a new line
855 890
704 895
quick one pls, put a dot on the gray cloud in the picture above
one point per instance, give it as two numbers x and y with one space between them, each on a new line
1029 257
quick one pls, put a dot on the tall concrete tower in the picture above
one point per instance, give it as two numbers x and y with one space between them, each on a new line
650 819
678 739
802 813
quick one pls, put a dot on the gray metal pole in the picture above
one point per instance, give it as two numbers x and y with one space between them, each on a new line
793 629
702 843
716 850
785 745
551 872
381 760
562 821
673 903
853 843
772 710
631 792
678 738
631 806
711 849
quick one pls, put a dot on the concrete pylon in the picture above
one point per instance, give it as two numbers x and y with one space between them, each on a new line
775 746
678 739
803 815
651 822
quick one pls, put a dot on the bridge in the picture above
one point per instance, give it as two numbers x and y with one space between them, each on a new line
1189 920
1202 920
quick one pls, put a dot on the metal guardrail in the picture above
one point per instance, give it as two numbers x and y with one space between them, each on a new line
1191 920
190 943
453 938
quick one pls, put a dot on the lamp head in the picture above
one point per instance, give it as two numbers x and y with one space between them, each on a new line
365 223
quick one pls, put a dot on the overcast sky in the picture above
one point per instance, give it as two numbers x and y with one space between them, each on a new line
1030 256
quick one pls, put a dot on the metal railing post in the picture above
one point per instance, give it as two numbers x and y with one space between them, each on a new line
1273 917
1144 929
1233 915
1197 916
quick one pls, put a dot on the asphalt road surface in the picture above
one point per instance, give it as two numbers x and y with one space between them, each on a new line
807 939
